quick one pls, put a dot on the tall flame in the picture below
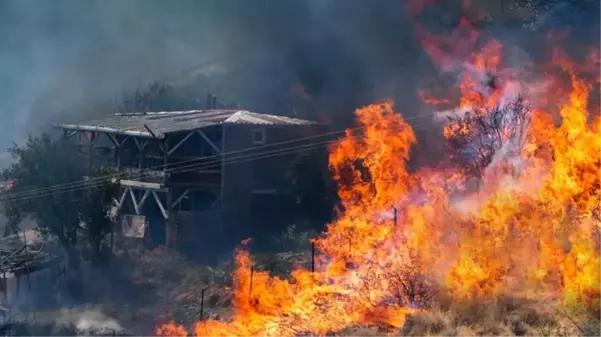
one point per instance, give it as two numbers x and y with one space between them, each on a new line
530 228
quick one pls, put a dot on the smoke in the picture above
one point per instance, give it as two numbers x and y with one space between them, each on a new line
89 322
67 57
70 58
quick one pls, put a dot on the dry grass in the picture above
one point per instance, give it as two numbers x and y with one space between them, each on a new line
504 317
177 285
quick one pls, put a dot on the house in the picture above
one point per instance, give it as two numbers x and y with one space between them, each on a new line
192 175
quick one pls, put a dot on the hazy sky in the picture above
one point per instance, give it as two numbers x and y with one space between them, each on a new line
61 57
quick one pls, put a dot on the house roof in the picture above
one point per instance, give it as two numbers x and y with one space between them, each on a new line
162 123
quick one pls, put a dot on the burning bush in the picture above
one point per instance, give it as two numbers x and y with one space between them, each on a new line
407 239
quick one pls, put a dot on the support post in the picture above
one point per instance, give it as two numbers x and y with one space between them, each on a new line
202 303
4 290
90 150
141 148
165 148
118 154
170 233
170 225
252 272
27 260
170 221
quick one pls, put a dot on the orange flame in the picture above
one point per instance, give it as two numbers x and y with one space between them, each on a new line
530 227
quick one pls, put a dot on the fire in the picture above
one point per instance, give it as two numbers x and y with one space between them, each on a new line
530 226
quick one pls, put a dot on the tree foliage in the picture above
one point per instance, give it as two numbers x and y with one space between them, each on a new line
165 97
46 185
562 12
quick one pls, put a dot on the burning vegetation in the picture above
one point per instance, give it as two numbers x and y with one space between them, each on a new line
513 212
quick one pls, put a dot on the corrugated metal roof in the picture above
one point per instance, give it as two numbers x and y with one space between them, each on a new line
161 123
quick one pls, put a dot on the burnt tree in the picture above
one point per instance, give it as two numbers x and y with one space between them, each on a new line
483 134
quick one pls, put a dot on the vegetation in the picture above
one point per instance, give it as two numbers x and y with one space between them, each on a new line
164 97
475 139
47 186
540 10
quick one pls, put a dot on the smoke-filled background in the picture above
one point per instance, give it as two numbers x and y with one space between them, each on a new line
72 59
76 58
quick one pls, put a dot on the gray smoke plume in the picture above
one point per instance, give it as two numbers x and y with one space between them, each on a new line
69 58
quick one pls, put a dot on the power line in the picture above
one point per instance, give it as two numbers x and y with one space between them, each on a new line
165 166
137 172
186 168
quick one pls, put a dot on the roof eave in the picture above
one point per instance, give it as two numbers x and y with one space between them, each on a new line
104 129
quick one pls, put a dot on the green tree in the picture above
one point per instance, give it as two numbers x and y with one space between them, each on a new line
46 185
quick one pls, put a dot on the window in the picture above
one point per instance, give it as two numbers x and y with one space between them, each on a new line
259 136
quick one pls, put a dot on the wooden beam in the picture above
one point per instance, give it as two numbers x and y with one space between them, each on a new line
150 131
123 141
209 141
142 185
133 199
161 207
122 199
109 130
144 197
180 143
117 149
90 150
158 139
197 186
90 136
141 145
112 139
165 148
180 198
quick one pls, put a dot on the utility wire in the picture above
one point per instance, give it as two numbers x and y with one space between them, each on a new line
163 166
186 168
102 181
